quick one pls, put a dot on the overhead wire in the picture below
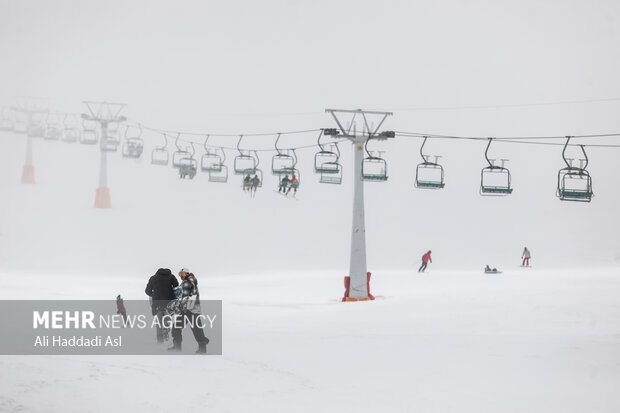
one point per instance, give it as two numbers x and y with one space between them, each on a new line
518 139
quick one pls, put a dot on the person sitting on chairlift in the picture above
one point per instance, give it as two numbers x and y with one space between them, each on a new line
283 184
255 182
247 182
294 185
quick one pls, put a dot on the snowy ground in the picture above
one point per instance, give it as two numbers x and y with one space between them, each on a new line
524 341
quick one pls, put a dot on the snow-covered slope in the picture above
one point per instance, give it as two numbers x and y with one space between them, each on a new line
524 341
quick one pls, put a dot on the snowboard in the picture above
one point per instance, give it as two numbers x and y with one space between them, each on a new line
492 272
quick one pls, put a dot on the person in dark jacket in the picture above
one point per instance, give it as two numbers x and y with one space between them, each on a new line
189 312
159 288
120 309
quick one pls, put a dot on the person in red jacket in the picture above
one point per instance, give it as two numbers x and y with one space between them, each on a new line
426 258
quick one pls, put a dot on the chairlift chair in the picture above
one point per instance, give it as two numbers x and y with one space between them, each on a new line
53 133
179 154
374 168
494 179
331 173
244 163
20 124
251 172
188 168
326 160
160 155
6 121
290 173
70 131
89 135
133 145
254 170
133 148
283 162
111 141
574 183
70 135
219 174
53 130
189 165
210 161
36 129
429 175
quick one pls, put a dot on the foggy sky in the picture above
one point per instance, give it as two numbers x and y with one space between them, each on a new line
269 66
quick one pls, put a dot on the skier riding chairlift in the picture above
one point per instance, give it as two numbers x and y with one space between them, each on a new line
294 184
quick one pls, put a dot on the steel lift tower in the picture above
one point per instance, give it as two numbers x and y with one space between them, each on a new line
31 108
104 113
358 282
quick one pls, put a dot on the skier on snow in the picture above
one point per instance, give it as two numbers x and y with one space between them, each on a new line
426 258
526 257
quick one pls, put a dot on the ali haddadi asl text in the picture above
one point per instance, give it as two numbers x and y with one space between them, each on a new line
78 341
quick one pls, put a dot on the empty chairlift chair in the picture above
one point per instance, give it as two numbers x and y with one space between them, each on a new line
160 154
71 129
134 144
111 141
244 162
429 175
283 162
374 168
180 154
219 173
211 159
89 135
574 183
6 120
20 124
494 179
326 163
53 130
36 126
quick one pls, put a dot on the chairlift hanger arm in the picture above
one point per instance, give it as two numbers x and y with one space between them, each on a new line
486 153
318 141
276 143
564 153
586 157
239 143
421 149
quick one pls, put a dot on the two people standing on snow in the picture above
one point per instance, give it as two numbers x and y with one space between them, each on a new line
526 257
426 258
161 289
